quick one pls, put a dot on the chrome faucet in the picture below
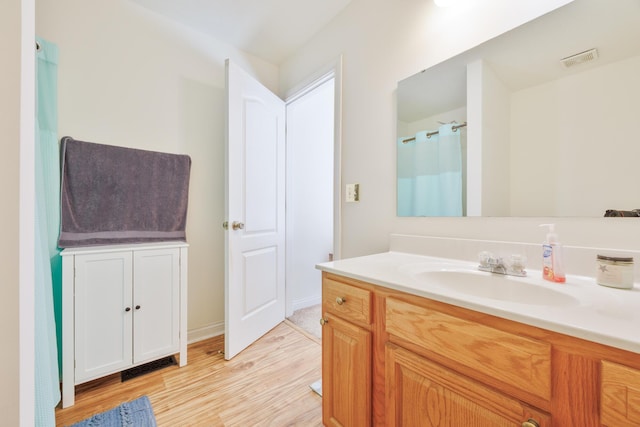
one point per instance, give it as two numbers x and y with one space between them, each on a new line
493 265
515 266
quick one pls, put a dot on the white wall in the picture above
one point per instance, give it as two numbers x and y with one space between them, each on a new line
382 43
17 108
131 77
309 193
432 123
9 173
586 150
494 142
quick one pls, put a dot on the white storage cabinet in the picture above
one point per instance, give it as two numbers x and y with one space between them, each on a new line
122 306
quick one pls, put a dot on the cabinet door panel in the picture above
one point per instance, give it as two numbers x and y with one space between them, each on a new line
156 301
346 374
620 395
102 323
422 393
519 361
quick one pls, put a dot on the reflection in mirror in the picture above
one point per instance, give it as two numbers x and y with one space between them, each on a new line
546 137
430 172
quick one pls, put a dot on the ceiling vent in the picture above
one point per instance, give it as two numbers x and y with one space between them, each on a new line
580 58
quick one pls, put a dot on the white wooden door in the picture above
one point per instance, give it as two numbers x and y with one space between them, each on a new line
156 303
255 202
103 314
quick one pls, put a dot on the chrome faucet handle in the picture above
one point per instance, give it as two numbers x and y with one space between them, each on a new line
498 266
516 265
485 259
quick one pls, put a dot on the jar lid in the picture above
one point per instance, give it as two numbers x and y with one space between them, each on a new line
615 258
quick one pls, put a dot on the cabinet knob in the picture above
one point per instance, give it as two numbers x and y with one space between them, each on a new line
237 225
340 300
324 321
127 309
530 423
137 307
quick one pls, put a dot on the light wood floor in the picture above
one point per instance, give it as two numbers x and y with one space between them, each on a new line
265 385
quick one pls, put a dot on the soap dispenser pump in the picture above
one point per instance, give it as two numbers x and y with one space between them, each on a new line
552 267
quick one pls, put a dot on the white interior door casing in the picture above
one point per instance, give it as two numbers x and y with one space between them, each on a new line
255 198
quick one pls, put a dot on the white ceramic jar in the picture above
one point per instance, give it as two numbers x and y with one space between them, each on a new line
615 272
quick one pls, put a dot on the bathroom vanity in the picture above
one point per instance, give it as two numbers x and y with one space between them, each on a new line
416 340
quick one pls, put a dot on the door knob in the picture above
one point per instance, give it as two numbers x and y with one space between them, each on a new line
237 225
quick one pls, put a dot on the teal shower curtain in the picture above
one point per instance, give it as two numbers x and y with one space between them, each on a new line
430 174
48 271
450 163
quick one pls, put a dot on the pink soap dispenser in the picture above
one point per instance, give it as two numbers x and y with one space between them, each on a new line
552 267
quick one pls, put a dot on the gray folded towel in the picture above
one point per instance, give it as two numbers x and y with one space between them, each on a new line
113 194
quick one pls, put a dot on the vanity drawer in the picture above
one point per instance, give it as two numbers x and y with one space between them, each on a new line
619 395
349 302
512 359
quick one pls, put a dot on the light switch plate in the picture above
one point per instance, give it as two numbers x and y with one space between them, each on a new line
352 193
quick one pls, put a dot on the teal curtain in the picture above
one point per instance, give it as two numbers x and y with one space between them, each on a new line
418 180
48 272
405 152
430 174
450 171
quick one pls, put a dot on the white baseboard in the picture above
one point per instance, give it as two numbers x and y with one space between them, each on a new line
205 332
215 329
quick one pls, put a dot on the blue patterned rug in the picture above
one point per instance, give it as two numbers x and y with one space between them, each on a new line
137 413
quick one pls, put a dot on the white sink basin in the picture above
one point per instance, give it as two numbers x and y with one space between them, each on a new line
497 287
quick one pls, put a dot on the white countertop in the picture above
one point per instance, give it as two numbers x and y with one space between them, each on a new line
596 313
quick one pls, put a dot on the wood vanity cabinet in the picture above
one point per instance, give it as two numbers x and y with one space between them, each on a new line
620 395
457 371
423 393
346 354
427 363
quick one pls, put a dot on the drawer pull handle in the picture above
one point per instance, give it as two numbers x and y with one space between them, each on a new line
324 321
530 423
340 300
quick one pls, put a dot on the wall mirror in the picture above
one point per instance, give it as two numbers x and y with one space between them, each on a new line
551 109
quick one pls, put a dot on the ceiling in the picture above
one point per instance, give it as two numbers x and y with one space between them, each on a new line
269 29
